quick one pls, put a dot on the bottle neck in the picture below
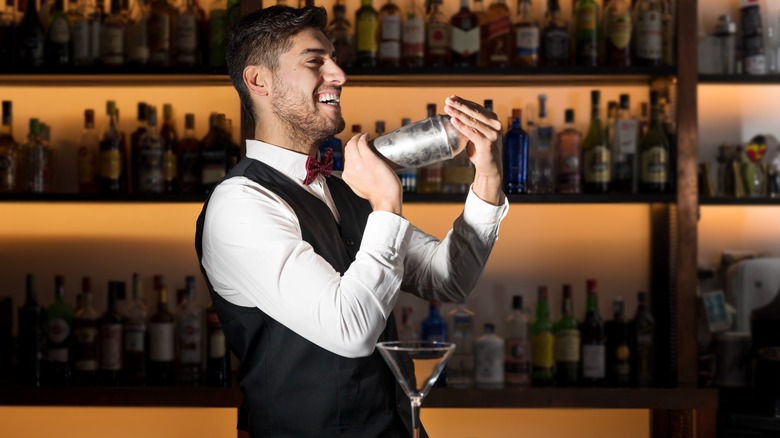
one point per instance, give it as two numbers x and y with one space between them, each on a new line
516 122
592 304
567 307
542 310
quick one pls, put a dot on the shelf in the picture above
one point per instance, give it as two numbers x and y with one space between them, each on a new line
414 198
127 76
539 398
770 79
762 201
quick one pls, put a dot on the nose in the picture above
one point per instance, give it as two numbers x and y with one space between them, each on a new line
334 73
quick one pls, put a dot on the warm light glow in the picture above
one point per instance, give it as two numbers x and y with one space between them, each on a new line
722 228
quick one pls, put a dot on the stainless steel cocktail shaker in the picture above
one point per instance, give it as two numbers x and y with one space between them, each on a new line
421 143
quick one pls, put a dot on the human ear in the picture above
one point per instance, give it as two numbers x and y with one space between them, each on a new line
257 79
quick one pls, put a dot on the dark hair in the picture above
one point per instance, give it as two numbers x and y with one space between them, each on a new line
261 37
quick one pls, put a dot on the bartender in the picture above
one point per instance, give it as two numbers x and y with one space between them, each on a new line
304 267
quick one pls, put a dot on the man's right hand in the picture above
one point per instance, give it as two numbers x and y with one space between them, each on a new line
370 177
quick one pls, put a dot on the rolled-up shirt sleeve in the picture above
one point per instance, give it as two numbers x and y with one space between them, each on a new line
448 270
254 255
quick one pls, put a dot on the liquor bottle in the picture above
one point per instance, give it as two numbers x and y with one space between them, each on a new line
57 46
644 118
648 38
496 39
134 352
334 143
85 330
567 343
642 332
218 372
170 157
111 156
617 33
609 125
87 154
59 333
389 35
595 152
9 150
465 37
434 327
138 34
618 349
554 46
406 331
217 33
162 17
461 366
31 336
340 34
413 36
515 156
594 341
623 148
186 36
667 34
30 38
213 156
587 33
233 149
151 147
189 161
654 153
489 359
365 34
542 343
429 177
111 338
567 154
437 36
526 36
517 356
98 16
112 37
189 337
135 147
36 161
161 342
8 33
541 173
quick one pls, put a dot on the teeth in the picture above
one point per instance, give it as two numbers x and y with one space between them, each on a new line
330 99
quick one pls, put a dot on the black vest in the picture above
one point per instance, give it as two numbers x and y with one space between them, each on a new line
292 387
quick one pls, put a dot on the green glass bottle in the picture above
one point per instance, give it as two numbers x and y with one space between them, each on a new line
59 331
542 342
595 152
367 23
586 32
654 153
567 343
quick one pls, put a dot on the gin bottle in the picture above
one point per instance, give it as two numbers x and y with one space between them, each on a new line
542 155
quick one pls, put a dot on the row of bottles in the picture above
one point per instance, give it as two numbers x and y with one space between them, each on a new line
543 353
617 33
125 345
84 33
156 160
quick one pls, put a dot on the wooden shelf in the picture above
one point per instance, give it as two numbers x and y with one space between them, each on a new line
541 398
762 201
769 79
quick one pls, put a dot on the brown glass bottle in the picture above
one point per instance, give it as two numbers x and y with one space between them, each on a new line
170 151
465 41
496 38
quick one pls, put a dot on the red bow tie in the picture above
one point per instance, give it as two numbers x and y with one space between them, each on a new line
313 167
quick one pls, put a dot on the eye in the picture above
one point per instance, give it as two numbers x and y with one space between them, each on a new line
315 61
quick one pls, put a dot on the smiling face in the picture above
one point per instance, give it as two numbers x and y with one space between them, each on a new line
306 89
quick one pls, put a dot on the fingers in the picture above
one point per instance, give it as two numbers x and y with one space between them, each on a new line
470 113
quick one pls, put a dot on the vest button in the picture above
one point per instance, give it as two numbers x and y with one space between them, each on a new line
350 242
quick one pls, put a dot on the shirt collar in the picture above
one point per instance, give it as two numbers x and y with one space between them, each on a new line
291 163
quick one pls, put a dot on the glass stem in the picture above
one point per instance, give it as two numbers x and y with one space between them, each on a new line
416 403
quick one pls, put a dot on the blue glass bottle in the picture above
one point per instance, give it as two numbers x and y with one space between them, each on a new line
516 156
334 143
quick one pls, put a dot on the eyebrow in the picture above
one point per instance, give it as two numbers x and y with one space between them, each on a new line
317 51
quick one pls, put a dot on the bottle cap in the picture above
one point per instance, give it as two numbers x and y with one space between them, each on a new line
595 97
141 111
566 291
488 104
380 126
405 121
189 121
517 302
625 101
592 286
542 291
356 129
569 115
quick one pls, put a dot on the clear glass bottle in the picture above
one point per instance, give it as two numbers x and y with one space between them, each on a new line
389 54
87 154
554 46
567 343
413 36
367 23
623 148
541 172
437 36
135 337
9 150
526 36
568 156
340 35
489 359
515 156
407 330
152 149
542 342
461 366
517 356
36 161
189 337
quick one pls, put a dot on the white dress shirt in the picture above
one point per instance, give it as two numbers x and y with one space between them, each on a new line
254 255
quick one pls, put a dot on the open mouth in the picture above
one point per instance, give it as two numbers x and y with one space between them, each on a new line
330 99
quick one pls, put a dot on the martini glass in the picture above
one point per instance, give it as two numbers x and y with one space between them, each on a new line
416 365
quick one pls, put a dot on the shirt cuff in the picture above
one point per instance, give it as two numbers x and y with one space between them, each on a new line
386 229
477 212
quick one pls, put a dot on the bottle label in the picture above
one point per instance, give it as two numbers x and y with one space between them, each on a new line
438 41
110 164
527 41
516 360
366 39
80 37
159 36
391 27
170 166
217 347
57 330
186 33
161 341
619 30
567 345
597 164
489 361
496 29
86 166
542 350
212 173
755 65
189 167
655 163
151 169
586 19
59 31
94 39
626 136
465 42
135 337
390 50
112 45
57 355
556 46
414 38
649 37
190 342
111 346
137 46
622 364
86 348
593 361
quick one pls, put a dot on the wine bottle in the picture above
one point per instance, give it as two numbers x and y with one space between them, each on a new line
170 157
654 153
567 343
59 333
618 348
515 156
593 341
31 336
161 342
365 34
111 156
586 14
542 342
595 152
517 354
30 38
648 38
111 338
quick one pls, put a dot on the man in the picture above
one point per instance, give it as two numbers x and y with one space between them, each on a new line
304 269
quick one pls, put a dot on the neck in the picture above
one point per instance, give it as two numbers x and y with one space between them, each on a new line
278 134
